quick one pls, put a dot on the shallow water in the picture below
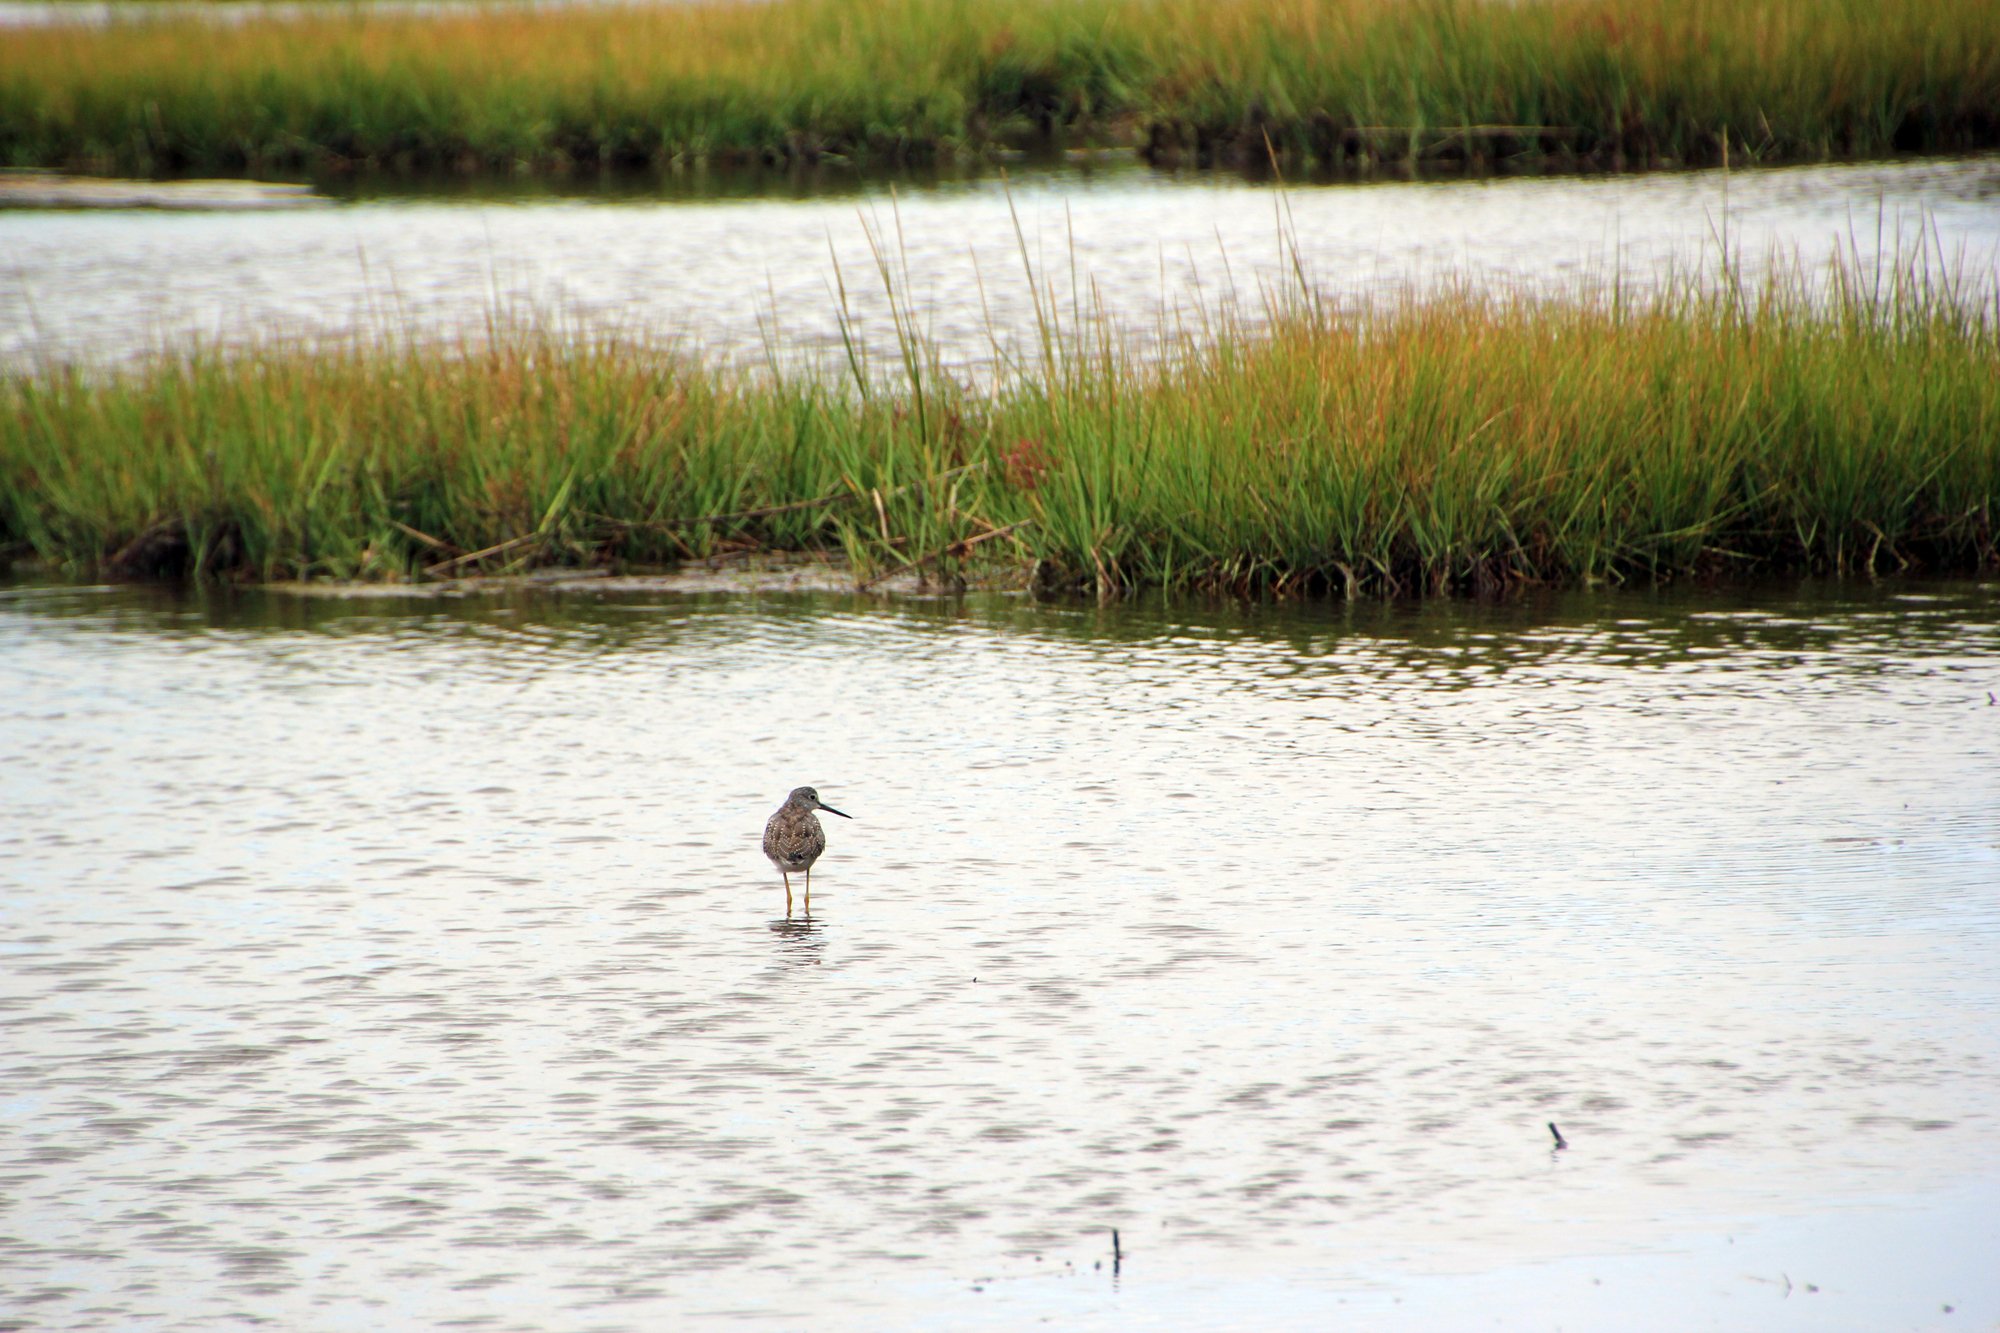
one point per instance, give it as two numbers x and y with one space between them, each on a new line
732 275
388 963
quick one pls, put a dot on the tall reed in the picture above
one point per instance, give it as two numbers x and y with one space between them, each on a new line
1344 83
1848 419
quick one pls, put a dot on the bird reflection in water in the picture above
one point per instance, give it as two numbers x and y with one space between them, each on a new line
799 941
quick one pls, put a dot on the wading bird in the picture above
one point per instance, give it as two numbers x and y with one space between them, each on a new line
793 840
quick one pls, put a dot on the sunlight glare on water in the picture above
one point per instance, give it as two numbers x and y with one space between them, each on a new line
384 962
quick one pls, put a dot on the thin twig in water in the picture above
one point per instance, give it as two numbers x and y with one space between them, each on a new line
666 524
958 548
423 537
1457 131
471 556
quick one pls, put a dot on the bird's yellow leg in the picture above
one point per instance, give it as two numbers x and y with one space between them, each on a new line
809 891
788 895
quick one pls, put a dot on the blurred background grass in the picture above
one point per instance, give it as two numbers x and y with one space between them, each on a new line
1340 84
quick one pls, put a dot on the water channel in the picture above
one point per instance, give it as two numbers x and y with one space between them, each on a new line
395 961
732 267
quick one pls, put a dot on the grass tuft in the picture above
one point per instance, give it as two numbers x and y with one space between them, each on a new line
1841 420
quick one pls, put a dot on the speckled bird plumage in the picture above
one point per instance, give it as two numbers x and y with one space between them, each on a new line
793 838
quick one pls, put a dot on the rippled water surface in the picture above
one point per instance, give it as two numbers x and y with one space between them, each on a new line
383 963
733 275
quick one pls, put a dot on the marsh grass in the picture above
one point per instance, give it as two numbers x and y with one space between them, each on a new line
1345 84
1840 419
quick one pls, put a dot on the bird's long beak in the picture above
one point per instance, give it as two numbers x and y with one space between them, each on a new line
830 810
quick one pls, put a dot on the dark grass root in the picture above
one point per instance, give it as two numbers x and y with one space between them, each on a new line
1498 578
557 160
1318 145
1323 145
173 551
